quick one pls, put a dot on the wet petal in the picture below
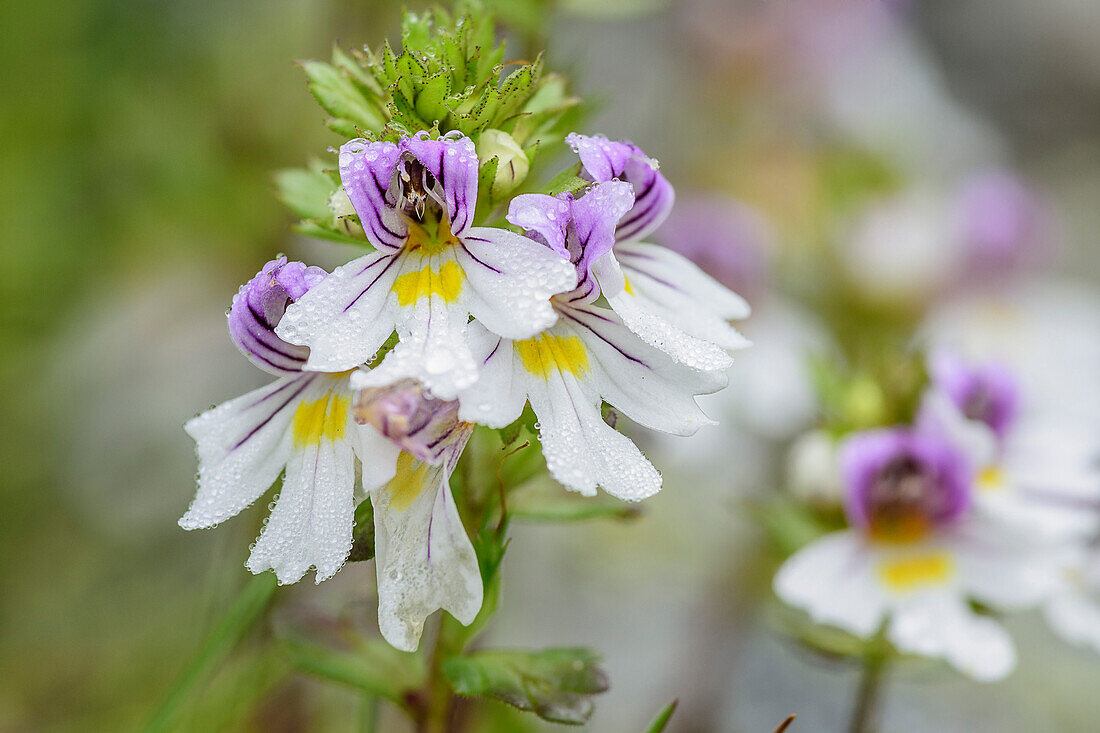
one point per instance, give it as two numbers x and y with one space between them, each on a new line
497 397
366 170
311 525
673 288
603 160
510 280
432 330
644 383
242 447
453 162
582 451
424 559
257 309
346 318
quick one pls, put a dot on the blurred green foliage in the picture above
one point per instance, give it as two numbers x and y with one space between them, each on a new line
138 140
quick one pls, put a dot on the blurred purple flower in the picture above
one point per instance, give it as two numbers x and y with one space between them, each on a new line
902 483
726 238
1002 223
987 393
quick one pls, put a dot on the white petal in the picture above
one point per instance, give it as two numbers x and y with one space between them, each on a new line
509 281
974 438
833 580
644 383
652 326
242 447
686 295
424 559
345 318
311 525
497 397
1002 570
432 349
377 454
942 625
581 450
1075 618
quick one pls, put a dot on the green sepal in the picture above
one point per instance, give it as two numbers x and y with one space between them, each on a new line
431 100
362 540
568 180
342 98
327 228
305 191
486 175
555 684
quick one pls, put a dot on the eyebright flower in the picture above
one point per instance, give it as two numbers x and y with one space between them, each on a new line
916 555
660 295
423 558
1028 476
432 270
587 356
311 427
302 424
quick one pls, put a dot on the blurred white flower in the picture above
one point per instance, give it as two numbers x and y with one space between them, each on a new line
901 250
916 555
813 468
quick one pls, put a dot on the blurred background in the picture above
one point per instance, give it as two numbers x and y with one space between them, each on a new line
137 150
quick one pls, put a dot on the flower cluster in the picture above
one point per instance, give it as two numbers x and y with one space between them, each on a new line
966 505
565 314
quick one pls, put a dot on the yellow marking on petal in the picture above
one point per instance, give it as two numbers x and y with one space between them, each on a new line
910 573
991 478
627 286
542 355
323 419
412 286
412 478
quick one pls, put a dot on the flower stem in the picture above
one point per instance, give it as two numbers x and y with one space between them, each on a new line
868 704
439 699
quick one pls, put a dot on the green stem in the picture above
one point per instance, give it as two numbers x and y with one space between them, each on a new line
868 703
439 698
369 708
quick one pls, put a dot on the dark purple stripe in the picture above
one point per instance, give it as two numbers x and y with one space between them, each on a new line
490 356
605 339
269 418
477 260
392 260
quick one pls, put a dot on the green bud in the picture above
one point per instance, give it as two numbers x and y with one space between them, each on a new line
512 163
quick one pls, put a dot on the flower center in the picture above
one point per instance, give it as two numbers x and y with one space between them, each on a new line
905 501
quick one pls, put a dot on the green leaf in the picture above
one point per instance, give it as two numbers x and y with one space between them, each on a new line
362 543
555 684
246 611
304 191
374 666
340 97
659 723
